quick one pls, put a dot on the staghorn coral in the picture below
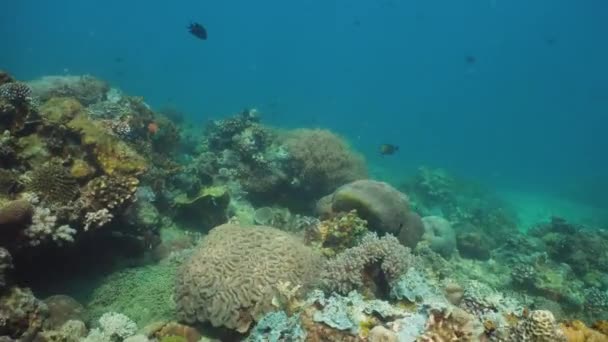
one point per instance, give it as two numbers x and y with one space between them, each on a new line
372 266
335 235
110 192
53 183
229 281
537 326
322 161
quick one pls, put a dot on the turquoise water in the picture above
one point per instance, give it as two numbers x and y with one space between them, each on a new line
495 203
529 112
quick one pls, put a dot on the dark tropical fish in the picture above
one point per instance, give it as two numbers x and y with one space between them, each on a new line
388 149
470 59
198 31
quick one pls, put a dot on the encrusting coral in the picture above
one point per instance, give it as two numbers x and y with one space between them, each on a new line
229 281
336 234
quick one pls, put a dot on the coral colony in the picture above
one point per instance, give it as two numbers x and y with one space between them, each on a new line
243 231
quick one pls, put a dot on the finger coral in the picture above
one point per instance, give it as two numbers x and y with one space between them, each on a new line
229 281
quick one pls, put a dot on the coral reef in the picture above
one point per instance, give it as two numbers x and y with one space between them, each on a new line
21 314
385 209
370 267
229 279
336 234
440 236
322 161
53 183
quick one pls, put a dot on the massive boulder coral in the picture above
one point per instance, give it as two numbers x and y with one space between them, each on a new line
385 209
322 160
440 235
229 281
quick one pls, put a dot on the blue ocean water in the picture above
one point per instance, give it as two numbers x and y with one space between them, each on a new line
531 111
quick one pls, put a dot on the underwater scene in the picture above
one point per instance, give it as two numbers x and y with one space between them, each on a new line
282 171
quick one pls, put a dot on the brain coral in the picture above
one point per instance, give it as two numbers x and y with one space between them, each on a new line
229 281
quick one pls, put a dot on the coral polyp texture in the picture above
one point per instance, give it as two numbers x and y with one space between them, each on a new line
322 160
230 279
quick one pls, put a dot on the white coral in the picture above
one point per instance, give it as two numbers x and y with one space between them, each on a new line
97 218
117 325
44 227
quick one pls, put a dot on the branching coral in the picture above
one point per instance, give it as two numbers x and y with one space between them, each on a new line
322 161
372 266
230 279
15 92
110 192
44 227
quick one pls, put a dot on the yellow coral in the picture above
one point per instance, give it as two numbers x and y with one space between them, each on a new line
113 155
60 110
338 233
577 331
81 169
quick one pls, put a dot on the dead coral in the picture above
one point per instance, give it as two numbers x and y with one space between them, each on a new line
230 279
455 326
53 183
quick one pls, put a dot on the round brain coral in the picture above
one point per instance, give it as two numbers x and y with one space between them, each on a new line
229 281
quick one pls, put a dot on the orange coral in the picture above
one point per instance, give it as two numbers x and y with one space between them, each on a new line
577 331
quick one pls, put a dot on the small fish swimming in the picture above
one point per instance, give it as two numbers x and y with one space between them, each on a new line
388 149
198 31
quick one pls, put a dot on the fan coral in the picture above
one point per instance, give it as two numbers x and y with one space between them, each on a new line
230 279
322 161
538 326
440 235
372 266
53 183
